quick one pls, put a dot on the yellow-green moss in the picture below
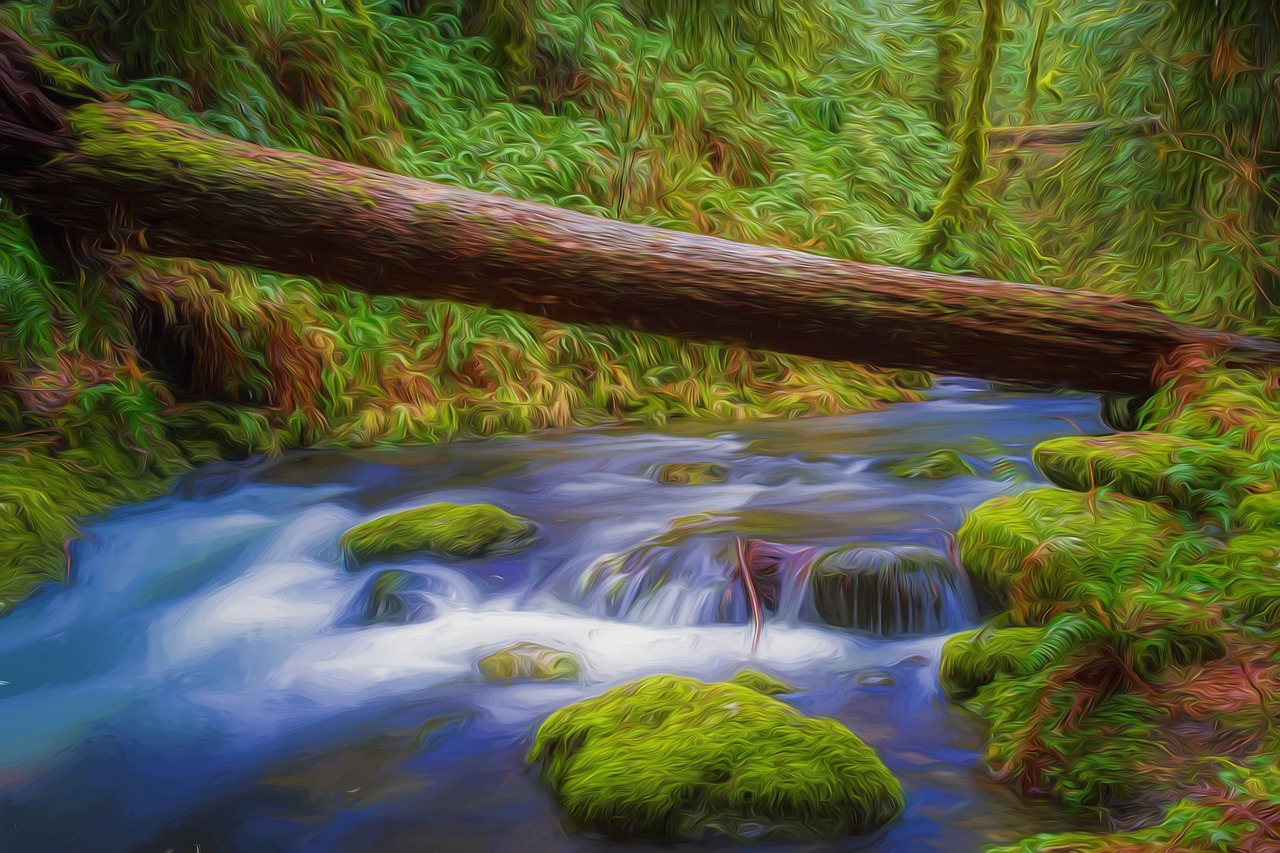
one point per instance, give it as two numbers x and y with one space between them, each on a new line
691 473
530 662
937 465
672 757
1148 466
761 682
973 659
474 530
1047 550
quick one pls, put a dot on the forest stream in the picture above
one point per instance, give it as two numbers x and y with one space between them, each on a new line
214 678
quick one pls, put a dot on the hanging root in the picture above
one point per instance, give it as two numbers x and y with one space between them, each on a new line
757 618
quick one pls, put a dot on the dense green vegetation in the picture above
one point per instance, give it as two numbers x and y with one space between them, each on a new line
856 129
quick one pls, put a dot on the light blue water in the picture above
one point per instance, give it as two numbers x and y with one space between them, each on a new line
206 679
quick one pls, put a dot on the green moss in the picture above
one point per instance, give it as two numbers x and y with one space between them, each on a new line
761 682
937 465
530 662
887 590
453 530
973 659
1147 466
691 473
671 757
1049 550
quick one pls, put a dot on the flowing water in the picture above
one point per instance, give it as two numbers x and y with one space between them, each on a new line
213 678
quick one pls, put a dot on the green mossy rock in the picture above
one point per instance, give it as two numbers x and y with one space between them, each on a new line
937 465
671 757
691 473
973 659
530 662
453 530
886 590
1148 466
392 597
1047 550
761 682
1257 513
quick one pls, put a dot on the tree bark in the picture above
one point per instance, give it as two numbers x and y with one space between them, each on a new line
170 189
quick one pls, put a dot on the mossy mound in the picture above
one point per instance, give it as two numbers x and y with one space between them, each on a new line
761 682
973 659
886 590
1048 550
1259 512
672 757
691 473
530 662
938 465
453 530
1148 466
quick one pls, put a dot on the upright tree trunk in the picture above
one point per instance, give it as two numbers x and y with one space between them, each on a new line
971 155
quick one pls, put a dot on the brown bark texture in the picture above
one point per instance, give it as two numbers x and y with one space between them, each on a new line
171 189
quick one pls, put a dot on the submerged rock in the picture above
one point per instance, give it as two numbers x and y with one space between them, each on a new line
887 590
876 678
691 473
761 682
937 465
396 595
454 530
530 662
672 757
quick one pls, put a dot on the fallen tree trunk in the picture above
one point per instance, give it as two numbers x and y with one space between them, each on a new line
171 189
1036 135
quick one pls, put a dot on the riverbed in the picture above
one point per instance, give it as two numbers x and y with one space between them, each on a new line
209 679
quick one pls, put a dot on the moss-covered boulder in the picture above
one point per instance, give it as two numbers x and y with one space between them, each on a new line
1148 466
530 662
937 465
671 757
691 473
474 530
973 659
761 682
1046 551
397 596
886 590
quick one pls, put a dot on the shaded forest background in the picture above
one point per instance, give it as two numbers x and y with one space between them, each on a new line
854 129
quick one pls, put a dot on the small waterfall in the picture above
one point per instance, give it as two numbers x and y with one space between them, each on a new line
891 590
693 580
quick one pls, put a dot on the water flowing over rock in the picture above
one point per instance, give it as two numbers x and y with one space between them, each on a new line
890 590
530 662
696 580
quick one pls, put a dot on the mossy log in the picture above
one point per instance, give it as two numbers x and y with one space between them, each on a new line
171 189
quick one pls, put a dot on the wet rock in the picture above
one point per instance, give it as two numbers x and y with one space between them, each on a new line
938 465
674 758
691 473
398 596
876 678
530 662
887 590
454 530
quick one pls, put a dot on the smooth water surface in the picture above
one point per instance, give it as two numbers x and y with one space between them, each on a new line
210 680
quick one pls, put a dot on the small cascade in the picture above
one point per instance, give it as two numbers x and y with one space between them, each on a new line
891 590
693 580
